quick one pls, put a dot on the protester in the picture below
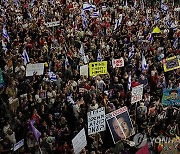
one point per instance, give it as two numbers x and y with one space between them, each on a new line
55 104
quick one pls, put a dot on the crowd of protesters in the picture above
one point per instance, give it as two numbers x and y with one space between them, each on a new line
57 118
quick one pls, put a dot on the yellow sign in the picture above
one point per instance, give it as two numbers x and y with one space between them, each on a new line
156 30
171 63
97 68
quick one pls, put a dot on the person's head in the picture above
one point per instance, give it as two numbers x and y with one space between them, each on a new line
118 128
174 94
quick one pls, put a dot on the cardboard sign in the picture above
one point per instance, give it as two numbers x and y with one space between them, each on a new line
79 141
171 97
84 70
53 24
137 93
118 62
18 145
97 68
120 125
96 121
171 63
31 69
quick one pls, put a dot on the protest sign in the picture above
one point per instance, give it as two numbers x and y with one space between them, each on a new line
84 70
97 68
118 62
79 141
52 24
171 63
18 145
31 69
96 121
171 97
137 93
120 124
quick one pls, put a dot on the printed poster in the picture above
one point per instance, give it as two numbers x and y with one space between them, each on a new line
118 62
31 69
120 125
84 70
79 141
171 97
97 68
96 121
171 63
137 93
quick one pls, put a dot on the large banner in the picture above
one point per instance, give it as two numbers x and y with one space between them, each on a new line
96 121
171 97
97 68
84 70
171 63
120 124
79 141
137 93
31 69
118 62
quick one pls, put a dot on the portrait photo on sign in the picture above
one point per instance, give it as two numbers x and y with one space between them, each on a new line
126 124
116 130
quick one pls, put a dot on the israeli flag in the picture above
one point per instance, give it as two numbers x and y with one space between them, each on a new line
150 38
99 56
135 4
95 14
131 52
147 22
25 57
66 63
157 17
118 22
126 4
142 4
87 6
81 51
32 2
175 44
164 8
16 3
5 34
52 76
129 81
144 64
84 19
4 47
5 2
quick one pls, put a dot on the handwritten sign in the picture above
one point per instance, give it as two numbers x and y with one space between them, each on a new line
96 121
79 141
137 93
118 62
97 68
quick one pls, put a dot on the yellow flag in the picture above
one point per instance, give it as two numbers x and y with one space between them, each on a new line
156 30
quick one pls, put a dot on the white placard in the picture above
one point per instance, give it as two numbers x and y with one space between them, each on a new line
79 141
137 93
84 70
18 145
31 69
118 62
52 24
96 121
